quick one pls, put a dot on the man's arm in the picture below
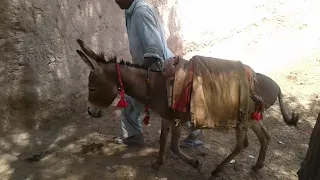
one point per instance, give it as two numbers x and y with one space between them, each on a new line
149 36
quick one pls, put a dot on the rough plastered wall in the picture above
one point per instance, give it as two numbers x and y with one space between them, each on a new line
42 79
169 11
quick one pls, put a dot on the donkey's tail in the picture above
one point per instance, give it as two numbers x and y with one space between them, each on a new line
294 117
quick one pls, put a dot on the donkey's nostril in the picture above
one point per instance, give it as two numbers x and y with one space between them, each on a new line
89 112
99 114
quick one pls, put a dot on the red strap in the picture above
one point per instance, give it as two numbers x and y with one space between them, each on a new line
147 117
147 105
122 102
119 76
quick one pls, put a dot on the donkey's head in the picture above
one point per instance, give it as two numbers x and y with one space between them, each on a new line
102 86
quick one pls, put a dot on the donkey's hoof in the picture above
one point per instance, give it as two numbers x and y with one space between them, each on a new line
213 177
215 172
257 167
156 166
198 166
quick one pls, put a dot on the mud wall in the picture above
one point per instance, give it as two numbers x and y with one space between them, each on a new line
42 80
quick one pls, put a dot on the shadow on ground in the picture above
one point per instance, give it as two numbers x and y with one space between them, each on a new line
84 149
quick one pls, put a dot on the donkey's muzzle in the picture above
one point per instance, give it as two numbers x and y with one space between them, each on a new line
96 115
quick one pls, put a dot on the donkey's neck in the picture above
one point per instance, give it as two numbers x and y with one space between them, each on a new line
134 83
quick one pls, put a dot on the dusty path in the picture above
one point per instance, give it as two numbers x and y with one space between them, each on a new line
284 37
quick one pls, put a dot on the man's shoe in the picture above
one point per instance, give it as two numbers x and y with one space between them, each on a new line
135 140
192 140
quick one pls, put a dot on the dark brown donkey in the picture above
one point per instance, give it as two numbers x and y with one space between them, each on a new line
103 88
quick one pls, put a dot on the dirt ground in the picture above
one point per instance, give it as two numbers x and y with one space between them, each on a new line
84 149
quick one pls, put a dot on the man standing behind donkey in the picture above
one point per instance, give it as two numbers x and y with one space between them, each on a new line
148 47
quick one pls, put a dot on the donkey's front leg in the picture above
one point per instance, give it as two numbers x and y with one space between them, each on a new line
165 128
175 141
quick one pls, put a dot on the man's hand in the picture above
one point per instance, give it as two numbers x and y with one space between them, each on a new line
149 61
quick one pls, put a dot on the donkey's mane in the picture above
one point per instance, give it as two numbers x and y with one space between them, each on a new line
114 59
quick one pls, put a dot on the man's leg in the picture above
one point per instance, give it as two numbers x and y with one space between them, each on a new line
131 118
193 139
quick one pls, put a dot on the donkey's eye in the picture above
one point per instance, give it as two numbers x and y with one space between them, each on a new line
92 89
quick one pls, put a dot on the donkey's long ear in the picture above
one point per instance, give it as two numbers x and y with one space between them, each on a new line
88 51
85 59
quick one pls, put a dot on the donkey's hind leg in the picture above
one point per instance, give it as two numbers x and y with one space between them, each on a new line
241 135
175 141
165 128
264 139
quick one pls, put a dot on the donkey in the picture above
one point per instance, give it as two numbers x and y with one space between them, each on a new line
103 87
